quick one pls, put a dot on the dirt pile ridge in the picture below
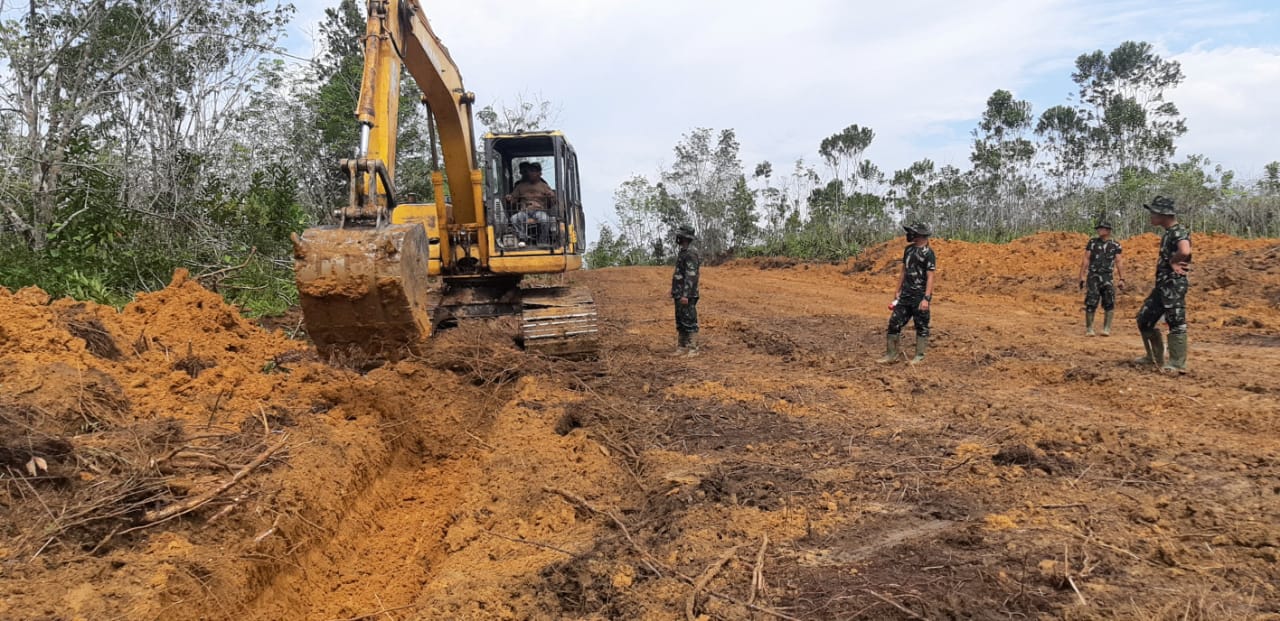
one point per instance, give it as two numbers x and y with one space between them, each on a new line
127 414
1024 470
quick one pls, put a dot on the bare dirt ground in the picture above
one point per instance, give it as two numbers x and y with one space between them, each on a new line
1024 471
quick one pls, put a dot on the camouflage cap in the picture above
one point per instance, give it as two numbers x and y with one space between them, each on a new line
1161 205
685 231
1104 224
918 228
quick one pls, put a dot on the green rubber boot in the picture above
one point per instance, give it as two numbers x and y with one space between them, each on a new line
1177 362
922 343
692 344
682 344
891 343
1155 349
1106 322
1088 323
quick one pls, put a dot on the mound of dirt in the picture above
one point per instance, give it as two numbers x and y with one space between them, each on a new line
171 456
1231 281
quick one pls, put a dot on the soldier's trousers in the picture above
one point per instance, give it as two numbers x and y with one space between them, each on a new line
1169 300
1098 287
687 316
908 309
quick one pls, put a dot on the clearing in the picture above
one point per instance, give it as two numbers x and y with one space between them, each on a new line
1024 471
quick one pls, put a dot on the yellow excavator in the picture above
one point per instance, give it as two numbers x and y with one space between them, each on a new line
388 274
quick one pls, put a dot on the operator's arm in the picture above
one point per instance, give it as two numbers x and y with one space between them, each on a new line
549 195
1120 269
1084 265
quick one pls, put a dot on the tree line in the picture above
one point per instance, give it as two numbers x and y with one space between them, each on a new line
1099 155
140 136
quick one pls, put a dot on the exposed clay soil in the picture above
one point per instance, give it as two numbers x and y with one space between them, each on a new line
1024 471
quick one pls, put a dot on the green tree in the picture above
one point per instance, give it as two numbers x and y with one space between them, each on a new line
701 180
1123 94
1001 157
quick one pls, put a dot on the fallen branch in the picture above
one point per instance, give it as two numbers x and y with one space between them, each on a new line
653 563
371 615
252 251
757 574
535 544
479 441
701 583
196 502
904 609
1066 557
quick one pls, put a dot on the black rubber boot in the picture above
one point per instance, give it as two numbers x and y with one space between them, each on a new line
1106 322
1177 362
1155 349
922 343
1088 323
891 354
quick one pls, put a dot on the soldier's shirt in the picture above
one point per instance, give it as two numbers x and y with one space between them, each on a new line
1169 247
919 261
532 194
684 280
1102 255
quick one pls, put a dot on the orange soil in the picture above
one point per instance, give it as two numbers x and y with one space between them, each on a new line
1024 470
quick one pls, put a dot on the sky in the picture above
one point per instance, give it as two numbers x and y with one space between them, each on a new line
629 79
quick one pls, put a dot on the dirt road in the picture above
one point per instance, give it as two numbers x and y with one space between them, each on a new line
1024 471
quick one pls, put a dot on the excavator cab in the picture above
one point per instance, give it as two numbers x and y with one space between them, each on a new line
552 227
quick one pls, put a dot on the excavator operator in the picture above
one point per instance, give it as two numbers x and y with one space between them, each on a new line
532 197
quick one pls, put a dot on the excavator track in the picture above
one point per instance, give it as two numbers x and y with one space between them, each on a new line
365 289
559 322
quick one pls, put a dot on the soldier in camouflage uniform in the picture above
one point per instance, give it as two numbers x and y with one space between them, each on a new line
1101 255
915 292
1168 298
684 291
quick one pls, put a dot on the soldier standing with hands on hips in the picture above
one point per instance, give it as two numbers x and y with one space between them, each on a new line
915 292
1169 297
1101 256
684 291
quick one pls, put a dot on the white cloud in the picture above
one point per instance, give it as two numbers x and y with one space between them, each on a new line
1230 98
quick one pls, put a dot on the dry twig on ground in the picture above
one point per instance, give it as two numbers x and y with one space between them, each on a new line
701 583
653 562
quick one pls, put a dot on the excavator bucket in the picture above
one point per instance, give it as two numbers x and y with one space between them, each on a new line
365 289
559 322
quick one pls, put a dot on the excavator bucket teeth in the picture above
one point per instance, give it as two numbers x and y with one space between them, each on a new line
560 322
364 289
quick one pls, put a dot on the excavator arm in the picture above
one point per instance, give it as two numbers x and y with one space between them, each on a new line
399 35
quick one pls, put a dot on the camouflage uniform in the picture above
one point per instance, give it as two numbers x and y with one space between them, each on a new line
1168 298
684 284
919 261
1098 285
